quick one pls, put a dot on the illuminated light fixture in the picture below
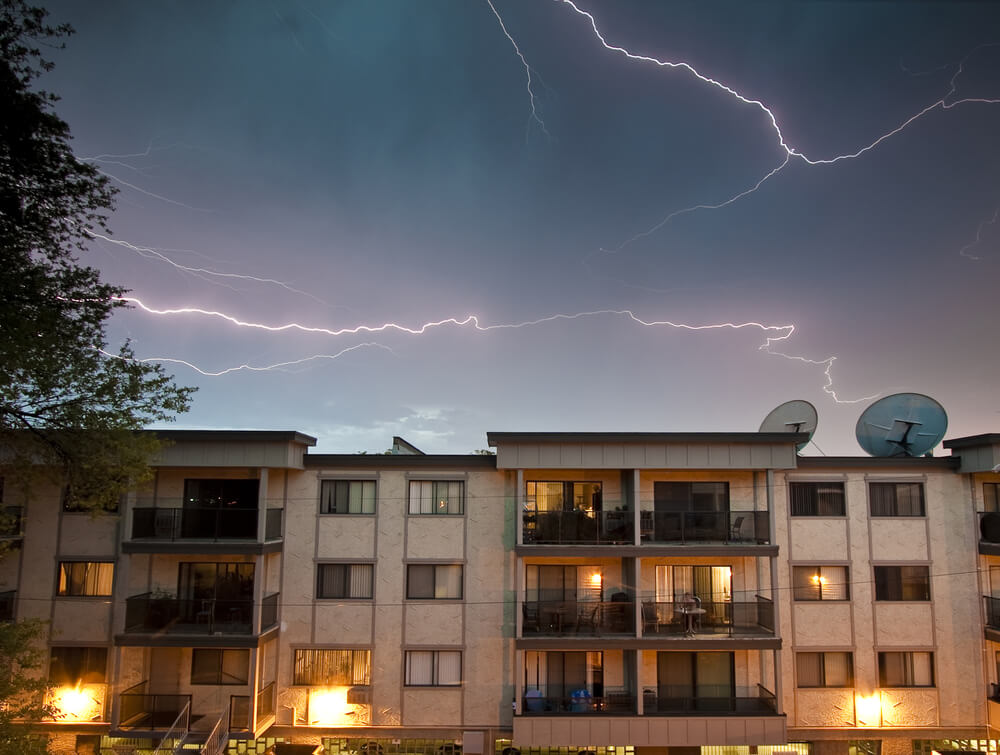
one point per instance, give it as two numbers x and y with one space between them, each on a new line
868 709
77 703
329 706
595 579
818 580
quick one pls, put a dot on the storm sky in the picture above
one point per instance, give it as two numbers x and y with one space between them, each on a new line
357 163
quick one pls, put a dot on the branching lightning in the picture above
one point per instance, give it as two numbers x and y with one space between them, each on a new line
964 251
775 334
527 71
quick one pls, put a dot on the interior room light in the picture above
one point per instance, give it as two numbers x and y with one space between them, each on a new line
818 580
595 579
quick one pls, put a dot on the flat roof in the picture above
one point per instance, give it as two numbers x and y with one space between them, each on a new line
401 461
562 437
287 436
896 462
986 439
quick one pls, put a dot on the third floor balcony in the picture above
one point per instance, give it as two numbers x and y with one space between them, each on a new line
172 526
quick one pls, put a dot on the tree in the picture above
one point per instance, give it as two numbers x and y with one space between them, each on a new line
65 402
21 688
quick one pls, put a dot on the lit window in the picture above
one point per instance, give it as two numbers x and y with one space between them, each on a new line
820 583
346 668
436 497
991 496
344 580
434 581
347 497
824 669
86 578
906 669
433 668
209 666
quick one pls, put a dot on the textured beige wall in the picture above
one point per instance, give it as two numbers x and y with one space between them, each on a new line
818 539
821 708
821 624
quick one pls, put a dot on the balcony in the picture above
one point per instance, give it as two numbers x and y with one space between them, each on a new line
684 527
240 711
192 529
562 618
7 605
722 618
989 533
547 701
147 614
579 527
682 700
141 711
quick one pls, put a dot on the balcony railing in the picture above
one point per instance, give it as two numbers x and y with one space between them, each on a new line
705 527
269 611
191 523
146 614
272 524
265 703
578 527
7 605
145 712
566 617
992 612
706 700
663 618
552 700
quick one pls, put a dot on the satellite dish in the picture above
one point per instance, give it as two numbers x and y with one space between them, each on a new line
904 424
792 417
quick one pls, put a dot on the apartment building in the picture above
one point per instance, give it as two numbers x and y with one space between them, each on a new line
604 593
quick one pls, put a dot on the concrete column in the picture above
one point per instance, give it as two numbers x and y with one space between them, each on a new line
778 691
262 505
519 504
634 503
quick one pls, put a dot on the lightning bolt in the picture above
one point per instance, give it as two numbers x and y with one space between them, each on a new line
527 71
776 333
199 272
943 104
964 251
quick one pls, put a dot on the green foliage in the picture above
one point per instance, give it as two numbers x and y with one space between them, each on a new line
65 402
22 689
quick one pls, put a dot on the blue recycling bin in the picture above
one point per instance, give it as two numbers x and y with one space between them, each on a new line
579 700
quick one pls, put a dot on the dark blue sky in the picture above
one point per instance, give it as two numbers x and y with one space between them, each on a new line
380 159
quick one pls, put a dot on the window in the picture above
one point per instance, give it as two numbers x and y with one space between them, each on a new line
817 498
820 583
220 666
436 496
434 581
347 497
78 665
991 496
85 578
906 669
896 498
221 494
344 580
433 668
691 496
902 583
346 668
562 496
825 669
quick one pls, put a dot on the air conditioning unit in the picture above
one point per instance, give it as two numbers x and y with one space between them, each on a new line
359 696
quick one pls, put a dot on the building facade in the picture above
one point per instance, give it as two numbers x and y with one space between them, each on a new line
577 592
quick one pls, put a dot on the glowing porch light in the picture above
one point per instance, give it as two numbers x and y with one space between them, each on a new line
76 704
329 706
868 709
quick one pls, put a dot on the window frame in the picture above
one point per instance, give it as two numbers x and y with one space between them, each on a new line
991 499
884 584
883 682
350 566
89 664
435 668
64 577
814 498
895 503
817 571
220 669
822 655
362 654
335 483
411 499
435 567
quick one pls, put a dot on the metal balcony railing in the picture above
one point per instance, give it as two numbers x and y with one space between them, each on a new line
708 700
664 618
146 614
265 704
566 617
579 527
239 713
195 524
567 700
145 712
746 527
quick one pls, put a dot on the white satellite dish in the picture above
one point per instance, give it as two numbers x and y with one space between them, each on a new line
795 416
903 424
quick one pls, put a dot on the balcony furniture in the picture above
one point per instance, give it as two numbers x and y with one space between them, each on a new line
589 617
650 617
529 617
736 532
692 618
